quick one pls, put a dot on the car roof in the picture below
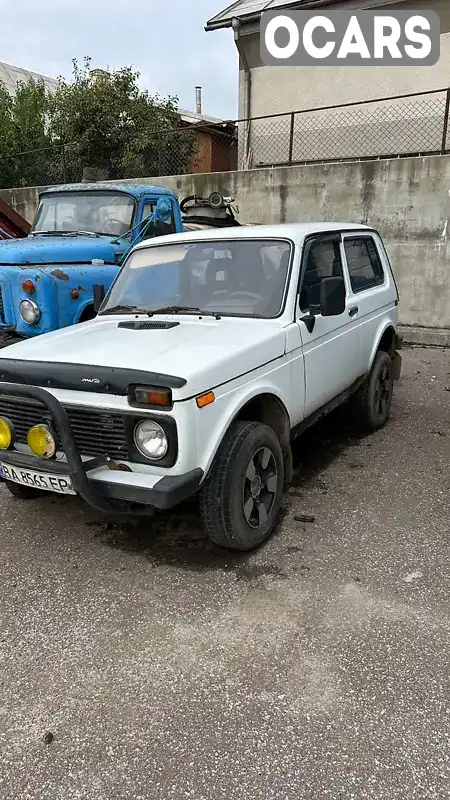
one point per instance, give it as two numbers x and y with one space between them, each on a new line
296 232
135 189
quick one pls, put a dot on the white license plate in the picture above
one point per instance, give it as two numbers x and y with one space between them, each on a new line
62 484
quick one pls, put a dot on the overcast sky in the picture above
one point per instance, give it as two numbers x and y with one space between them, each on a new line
163 39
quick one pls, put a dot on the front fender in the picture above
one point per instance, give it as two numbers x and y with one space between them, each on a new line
217 417
62 293
45 296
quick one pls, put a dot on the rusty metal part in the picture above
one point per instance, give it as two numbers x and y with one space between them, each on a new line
12 224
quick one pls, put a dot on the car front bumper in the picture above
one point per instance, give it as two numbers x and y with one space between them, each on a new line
109 496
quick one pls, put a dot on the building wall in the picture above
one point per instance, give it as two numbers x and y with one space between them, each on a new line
407 200
202 161
280 89
214 153
405 126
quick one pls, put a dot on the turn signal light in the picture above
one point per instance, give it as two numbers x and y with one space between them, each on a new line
28 287
153 397
7 435
205 399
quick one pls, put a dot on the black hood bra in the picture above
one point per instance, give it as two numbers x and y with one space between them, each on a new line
82 377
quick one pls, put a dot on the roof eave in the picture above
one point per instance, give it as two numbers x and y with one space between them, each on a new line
306 4
228 23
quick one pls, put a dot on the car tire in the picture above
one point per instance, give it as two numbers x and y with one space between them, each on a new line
371 404
242 494
22 492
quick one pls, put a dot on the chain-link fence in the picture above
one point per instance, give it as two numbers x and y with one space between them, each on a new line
412 124
395 126
190 149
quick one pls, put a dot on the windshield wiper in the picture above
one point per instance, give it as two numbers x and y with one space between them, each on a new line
46 233
125 310
183 310
65 233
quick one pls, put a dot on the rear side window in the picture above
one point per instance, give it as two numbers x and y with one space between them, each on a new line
364 264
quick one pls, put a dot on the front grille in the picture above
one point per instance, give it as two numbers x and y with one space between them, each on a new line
97 433
2 310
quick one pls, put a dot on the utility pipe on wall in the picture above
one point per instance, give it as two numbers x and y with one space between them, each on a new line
247 87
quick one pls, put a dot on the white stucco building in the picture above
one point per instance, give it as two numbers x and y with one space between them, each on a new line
365 130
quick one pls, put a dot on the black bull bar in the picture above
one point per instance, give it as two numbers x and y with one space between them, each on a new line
74 465
166 493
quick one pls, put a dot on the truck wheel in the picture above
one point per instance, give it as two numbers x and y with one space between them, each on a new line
22 492
242 495
371 404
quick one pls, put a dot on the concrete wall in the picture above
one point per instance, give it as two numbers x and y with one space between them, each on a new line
407 200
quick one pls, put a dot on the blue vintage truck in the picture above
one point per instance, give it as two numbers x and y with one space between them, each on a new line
79 238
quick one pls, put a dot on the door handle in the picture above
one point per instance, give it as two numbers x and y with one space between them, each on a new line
352 311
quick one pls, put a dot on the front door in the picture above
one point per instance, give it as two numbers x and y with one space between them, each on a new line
332 349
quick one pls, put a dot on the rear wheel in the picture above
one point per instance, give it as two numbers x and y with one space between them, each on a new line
371 404
242 494
22 492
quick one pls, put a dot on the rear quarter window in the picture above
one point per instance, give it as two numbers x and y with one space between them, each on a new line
364 263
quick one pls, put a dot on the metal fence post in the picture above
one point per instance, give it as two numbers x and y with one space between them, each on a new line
445 132
291 137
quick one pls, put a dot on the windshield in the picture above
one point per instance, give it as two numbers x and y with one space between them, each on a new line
104 213
240 277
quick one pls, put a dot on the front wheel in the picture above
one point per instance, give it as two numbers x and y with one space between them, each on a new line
371 404
242 495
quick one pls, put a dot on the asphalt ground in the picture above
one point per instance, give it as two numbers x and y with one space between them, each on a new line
137 661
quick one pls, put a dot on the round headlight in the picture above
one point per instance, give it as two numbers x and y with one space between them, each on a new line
6 433
41 441
150 439
30 312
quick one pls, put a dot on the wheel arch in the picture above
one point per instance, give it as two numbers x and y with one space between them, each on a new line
385 340
266 406
87 312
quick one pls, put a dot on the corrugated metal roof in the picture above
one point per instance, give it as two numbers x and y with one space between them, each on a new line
244 8
192 117
10 76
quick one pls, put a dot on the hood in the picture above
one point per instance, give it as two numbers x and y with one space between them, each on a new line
56 250
205 353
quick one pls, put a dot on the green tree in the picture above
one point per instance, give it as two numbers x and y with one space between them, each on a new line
7 141
32 135
110 124
25 139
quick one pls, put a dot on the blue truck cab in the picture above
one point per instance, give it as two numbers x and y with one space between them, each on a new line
79 238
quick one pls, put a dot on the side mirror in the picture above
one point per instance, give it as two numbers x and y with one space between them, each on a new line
99 296
332 297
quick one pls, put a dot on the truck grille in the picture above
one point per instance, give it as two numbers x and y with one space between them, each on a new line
96 433
2 310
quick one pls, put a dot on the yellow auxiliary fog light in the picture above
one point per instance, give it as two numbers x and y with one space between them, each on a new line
6 434
41 441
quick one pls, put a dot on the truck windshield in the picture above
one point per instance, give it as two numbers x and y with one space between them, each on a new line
245 278
104 213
